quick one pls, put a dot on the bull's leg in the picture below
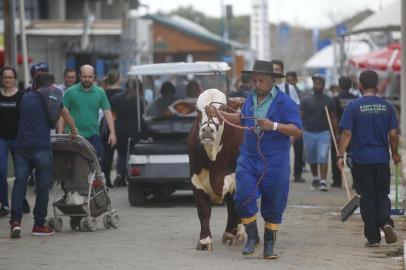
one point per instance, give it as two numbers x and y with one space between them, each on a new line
234 230
204 211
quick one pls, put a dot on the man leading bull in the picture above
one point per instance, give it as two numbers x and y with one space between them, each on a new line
270 117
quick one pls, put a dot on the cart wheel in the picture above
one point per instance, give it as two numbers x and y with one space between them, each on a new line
58 224
92 225
83 224
107 221
74 223
115 220
51 223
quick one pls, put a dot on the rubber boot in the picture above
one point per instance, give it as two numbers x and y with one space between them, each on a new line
269 242
252 239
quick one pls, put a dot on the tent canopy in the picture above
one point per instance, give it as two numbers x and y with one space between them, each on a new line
384 59
386 19
325 57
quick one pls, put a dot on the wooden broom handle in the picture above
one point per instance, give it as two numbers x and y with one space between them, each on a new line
335 145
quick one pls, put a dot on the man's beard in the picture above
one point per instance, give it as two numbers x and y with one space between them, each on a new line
87 85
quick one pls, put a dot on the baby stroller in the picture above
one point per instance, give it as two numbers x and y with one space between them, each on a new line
76 168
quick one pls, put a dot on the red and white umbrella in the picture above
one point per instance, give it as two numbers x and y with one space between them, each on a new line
386 59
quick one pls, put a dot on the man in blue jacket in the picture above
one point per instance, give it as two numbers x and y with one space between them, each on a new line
270 118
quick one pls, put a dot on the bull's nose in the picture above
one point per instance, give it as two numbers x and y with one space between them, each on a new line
208 130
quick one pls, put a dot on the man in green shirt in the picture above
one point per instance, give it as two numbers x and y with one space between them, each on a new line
84 100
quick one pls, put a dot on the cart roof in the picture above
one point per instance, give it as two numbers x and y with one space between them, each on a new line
180 68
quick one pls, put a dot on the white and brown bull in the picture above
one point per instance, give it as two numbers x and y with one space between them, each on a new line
213 148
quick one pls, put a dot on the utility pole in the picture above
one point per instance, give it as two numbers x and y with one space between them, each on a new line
24 43
403 74
10 46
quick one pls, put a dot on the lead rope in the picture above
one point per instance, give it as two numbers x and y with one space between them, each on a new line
259 138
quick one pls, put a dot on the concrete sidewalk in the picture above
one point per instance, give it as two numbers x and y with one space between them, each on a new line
163 235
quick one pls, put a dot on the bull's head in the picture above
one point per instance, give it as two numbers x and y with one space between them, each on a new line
210 128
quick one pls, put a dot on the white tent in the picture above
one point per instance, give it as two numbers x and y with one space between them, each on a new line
325 58
386 19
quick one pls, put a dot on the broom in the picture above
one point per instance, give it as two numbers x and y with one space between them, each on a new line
353 202
397 211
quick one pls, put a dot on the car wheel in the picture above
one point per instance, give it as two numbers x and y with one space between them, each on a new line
136 194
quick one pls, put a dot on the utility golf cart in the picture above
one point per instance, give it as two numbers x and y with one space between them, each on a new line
160 165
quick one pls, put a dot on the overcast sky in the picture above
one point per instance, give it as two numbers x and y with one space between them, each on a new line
309 13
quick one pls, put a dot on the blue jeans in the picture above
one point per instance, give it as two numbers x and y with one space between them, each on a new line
97 144
6 146
25 160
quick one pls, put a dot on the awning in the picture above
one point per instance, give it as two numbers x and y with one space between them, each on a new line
386 59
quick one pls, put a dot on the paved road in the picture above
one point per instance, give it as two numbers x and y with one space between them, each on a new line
164 234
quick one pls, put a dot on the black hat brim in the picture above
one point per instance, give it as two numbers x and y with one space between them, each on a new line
273 74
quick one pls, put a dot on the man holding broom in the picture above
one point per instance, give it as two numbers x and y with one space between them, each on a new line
367 123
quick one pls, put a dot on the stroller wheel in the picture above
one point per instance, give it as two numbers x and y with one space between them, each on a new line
58 224
107 221
92 225
51 223
115 220
84 224
88 224
74 223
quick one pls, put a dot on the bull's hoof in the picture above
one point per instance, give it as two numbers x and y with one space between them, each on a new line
240 238
208 247
205 244
229 238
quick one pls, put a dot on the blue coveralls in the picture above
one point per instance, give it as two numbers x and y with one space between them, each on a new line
275 147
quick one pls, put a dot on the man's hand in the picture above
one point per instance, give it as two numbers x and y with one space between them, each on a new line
265 124
112 139
396 158
73 134
340 163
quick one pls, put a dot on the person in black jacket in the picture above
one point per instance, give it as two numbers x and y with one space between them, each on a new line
125 107
112 88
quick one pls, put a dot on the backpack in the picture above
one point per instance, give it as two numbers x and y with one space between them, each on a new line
52 99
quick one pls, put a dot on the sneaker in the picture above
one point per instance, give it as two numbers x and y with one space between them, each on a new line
323 186
4 211
315 183
42 231
372 245
26 206
390 236
299 179
15 231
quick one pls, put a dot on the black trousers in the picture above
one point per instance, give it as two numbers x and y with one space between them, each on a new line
373 184
107 160
334 169
298 149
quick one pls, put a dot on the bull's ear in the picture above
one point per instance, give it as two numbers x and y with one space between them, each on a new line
235 103
184 108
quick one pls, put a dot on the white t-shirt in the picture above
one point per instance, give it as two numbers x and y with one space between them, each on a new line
292 92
